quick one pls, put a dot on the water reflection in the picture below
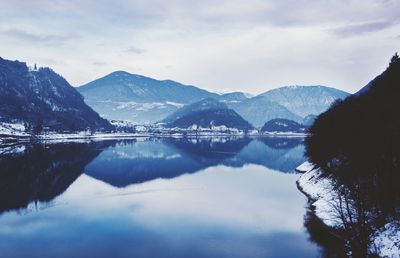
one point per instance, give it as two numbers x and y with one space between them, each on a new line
170 157
153 198
161 158
282 154
41 172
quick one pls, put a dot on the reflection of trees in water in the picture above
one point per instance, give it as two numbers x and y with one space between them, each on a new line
42 172
332 245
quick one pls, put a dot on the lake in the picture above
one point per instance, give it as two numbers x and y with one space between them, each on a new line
154 197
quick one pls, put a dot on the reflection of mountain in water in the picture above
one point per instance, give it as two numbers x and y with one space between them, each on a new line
41 172
282 154
127 164
282 142
131 163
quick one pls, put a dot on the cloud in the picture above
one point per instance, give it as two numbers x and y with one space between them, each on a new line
30 37
250 45
358 29
99 63
135 50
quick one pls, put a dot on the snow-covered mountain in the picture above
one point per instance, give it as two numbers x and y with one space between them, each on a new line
40 98
258 110
124 96
290 102
233 97
207 113
139 99
305 100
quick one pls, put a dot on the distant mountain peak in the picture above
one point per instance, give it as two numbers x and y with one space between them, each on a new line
305 100
120 73
139 99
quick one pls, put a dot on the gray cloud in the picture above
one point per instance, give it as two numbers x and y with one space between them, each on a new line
36 38
357 29
99 63
214 12
250 45
135 50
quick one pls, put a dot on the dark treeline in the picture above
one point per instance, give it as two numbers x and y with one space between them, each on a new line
41 172
357 143
44 101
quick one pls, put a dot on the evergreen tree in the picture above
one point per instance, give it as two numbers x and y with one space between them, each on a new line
395 59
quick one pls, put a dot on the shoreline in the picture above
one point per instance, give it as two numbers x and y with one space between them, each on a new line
321 195
9 139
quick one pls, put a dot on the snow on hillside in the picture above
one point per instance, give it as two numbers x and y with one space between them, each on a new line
320 190
17 129
387 240
16 133
305 100
324 198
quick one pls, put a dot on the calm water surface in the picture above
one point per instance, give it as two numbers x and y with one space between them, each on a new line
212 197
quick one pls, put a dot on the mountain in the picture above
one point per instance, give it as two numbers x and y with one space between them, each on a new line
357 141
139 99
290 102
368 118
283 125
258 110
232 97
207 113
305 100
42 98
205 104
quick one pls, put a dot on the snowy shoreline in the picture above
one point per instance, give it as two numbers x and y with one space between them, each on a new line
323 196
16 133
6 139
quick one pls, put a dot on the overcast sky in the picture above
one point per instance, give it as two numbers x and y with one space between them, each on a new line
235 45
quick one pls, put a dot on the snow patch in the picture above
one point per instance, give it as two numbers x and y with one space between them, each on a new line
387 240
320 190
15 129
178 105
306 166
12 150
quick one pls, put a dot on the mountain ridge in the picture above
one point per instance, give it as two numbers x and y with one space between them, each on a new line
139 99
297 98
43 99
